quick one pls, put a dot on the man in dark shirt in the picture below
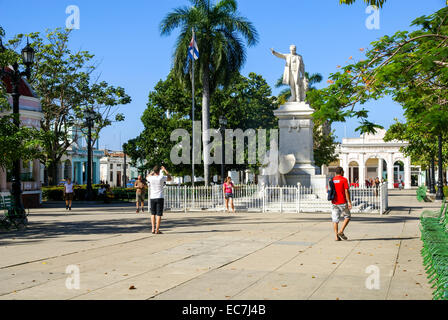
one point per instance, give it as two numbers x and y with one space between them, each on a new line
341 204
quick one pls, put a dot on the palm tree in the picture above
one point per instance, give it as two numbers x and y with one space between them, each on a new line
378 3
219 33
284 95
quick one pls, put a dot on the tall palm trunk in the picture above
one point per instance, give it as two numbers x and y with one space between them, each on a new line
206 121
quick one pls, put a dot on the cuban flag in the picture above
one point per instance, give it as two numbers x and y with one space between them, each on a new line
193 51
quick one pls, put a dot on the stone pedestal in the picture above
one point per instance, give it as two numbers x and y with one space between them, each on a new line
296 138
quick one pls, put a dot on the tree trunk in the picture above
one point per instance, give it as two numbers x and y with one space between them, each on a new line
53 174
206 121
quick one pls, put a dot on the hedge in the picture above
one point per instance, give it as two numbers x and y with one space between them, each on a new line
56 193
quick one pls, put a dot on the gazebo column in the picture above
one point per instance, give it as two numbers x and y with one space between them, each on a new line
362 169
345 165
390 171
407 173
380 168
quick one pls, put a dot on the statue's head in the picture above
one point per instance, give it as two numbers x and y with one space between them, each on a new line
292 48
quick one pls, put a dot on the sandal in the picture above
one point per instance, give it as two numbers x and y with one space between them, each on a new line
342 236
159 232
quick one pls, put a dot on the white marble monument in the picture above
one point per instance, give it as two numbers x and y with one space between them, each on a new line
296 157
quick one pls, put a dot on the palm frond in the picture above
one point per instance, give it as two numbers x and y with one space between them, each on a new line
378 3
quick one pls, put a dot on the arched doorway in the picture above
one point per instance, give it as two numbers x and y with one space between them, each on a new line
353 172
376 167
398 172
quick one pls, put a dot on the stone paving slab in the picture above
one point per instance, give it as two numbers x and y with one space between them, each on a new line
214 255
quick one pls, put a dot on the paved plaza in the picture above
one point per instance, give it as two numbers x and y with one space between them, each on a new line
214 255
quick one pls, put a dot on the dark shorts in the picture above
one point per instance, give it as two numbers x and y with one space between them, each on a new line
69 196
156 206
228 195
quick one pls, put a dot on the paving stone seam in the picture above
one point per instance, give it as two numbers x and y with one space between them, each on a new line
233 261
85 260
334 270
75 252
159 267
396 260
270 272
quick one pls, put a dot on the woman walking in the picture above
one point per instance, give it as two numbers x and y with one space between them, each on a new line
227 188
68 194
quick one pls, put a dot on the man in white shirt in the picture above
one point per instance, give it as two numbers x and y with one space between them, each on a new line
156 183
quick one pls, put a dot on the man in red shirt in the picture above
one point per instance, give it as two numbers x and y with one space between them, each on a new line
341 204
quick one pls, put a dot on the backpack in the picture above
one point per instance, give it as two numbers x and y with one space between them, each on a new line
331 190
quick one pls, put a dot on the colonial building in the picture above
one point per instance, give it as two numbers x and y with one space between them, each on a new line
73 165
112 169
369 156
30 116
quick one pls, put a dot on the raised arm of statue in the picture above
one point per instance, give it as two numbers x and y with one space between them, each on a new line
278 55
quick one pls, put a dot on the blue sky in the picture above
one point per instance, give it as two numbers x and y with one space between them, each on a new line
125 38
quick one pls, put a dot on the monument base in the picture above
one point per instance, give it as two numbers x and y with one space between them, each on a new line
317 182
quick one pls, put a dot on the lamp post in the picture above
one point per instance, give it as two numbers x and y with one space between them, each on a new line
222 124
433 176
15 77
125 178
439 194
90 118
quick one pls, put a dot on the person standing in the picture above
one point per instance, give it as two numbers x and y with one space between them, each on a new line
377 186
400 183
341 204
227 188
156 183
68 194
140 193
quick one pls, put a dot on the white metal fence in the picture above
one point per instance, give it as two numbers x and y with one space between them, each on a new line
272 198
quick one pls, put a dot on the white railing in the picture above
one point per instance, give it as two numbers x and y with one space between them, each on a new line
272 198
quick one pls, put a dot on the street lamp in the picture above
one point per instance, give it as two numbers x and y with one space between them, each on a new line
433 176
222 124
15 76
90 116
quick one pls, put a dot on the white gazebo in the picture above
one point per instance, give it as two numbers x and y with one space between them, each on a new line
369 156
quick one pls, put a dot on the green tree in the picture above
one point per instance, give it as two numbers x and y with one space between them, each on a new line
62 79
411 67
15 143
219 32
247 103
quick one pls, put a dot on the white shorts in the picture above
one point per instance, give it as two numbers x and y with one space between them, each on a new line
338 211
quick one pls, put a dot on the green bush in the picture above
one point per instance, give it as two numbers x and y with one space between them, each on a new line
56 193
421 193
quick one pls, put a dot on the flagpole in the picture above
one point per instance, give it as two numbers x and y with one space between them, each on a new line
192 126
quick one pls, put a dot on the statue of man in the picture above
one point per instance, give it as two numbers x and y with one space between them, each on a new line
294 74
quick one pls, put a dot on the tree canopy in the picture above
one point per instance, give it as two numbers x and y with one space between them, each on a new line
66 84
220 31
411 67
247 103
